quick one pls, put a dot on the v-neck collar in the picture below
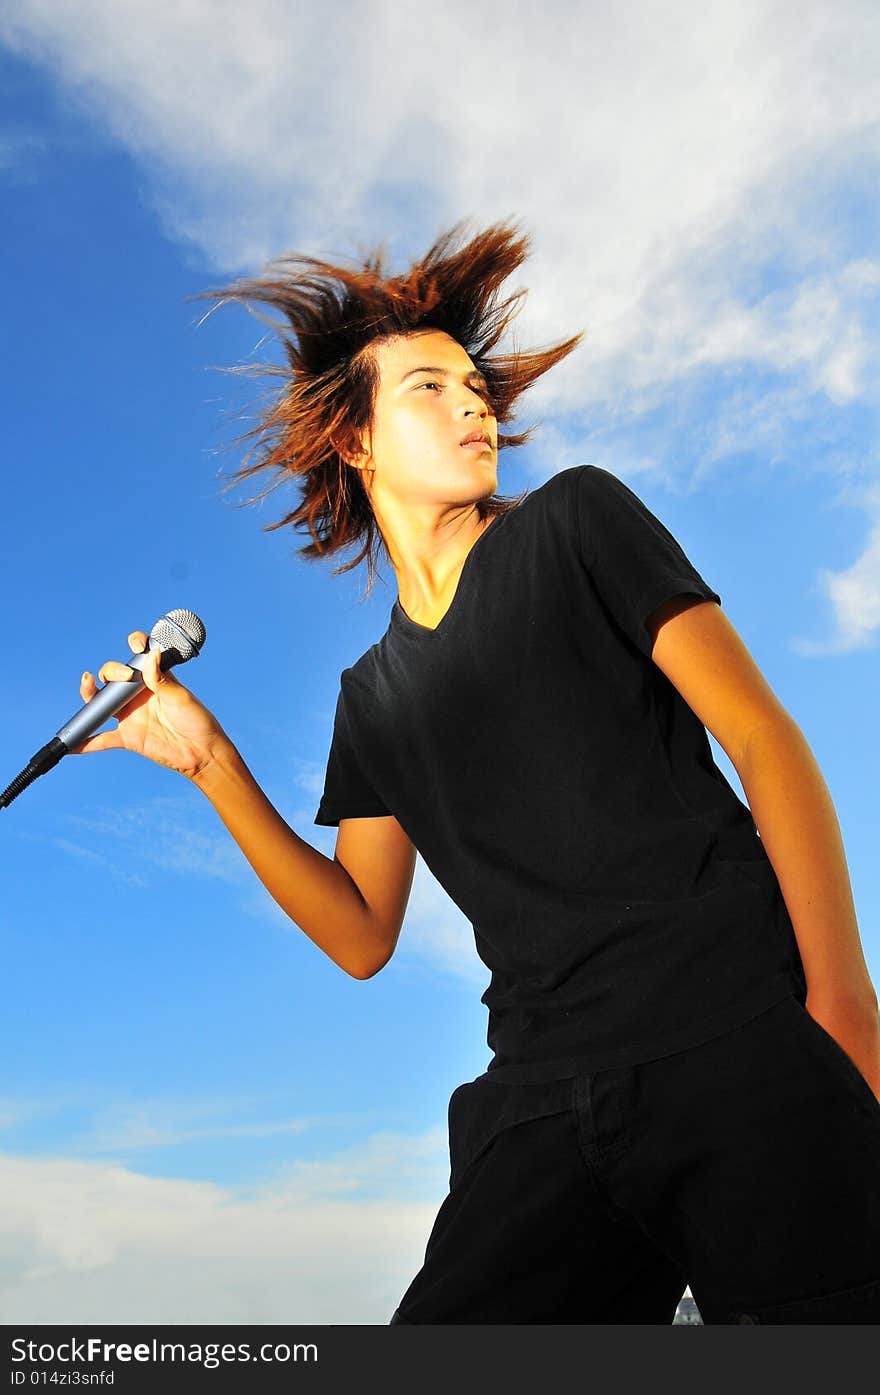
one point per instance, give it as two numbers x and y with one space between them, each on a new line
403 621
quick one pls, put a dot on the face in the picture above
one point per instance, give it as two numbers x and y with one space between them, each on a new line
430 397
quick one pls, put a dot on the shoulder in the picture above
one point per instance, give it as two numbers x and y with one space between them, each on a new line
582 482
561 490
564 505
585 496
572 477
359 681
593 482
358 675
611 512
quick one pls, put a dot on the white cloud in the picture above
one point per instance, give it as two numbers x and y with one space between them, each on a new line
685 174
146 1125
330 1242
87 1123
162 832
672 125
310 777
853 594
436 931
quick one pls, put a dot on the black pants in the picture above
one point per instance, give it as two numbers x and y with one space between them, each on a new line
747 1168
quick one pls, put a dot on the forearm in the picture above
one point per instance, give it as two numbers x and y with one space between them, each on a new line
795 816
315 891
796 819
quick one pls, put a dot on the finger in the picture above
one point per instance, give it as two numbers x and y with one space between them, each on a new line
156 677
104 741
113 672
151 672
87 686
137 641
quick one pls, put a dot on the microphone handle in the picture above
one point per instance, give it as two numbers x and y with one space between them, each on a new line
105 704
112 697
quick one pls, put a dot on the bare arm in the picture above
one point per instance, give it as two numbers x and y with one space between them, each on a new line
355 922
351 905
702 654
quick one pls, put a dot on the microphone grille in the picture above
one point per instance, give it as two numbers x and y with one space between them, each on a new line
180 634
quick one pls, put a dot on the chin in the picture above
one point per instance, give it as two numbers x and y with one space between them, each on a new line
485 475
479 482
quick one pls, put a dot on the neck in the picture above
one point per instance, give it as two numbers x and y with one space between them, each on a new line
427 547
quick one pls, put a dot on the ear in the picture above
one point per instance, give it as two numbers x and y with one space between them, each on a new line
354 449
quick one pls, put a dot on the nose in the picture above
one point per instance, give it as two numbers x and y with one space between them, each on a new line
474 403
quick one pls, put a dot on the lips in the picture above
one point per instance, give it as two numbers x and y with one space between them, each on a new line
476 437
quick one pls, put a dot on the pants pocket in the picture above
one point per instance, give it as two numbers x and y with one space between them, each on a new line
859 1305
480 1110
844 1064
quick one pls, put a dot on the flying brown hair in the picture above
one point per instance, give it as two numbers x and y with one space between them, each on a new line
334 316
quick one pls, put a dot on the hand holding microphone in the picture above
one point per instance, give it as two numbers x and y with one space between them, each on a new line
158 717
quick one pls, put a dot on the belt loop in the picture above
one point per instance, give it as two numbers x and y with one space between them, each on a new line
583 1108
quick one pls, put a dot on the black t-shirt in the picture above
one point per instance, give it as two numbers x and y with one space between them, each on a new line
565 795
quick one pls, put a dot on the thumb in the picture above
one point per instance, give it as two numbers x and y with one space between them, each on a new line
151 672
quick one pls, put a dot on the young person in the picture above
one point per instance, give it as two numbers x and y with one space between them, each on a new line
685 1082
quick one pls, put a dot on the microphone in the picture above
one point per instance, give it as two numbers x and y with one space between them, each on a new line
179 634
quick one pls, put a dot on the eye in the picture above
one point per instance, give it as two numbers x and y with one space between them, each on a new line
429 384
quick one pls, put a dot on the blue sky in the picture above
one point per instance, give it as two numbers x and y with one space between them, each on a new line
201 1117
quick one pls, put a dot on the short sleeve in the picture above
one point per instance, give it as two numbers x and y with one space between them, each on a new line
347 791
635 562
